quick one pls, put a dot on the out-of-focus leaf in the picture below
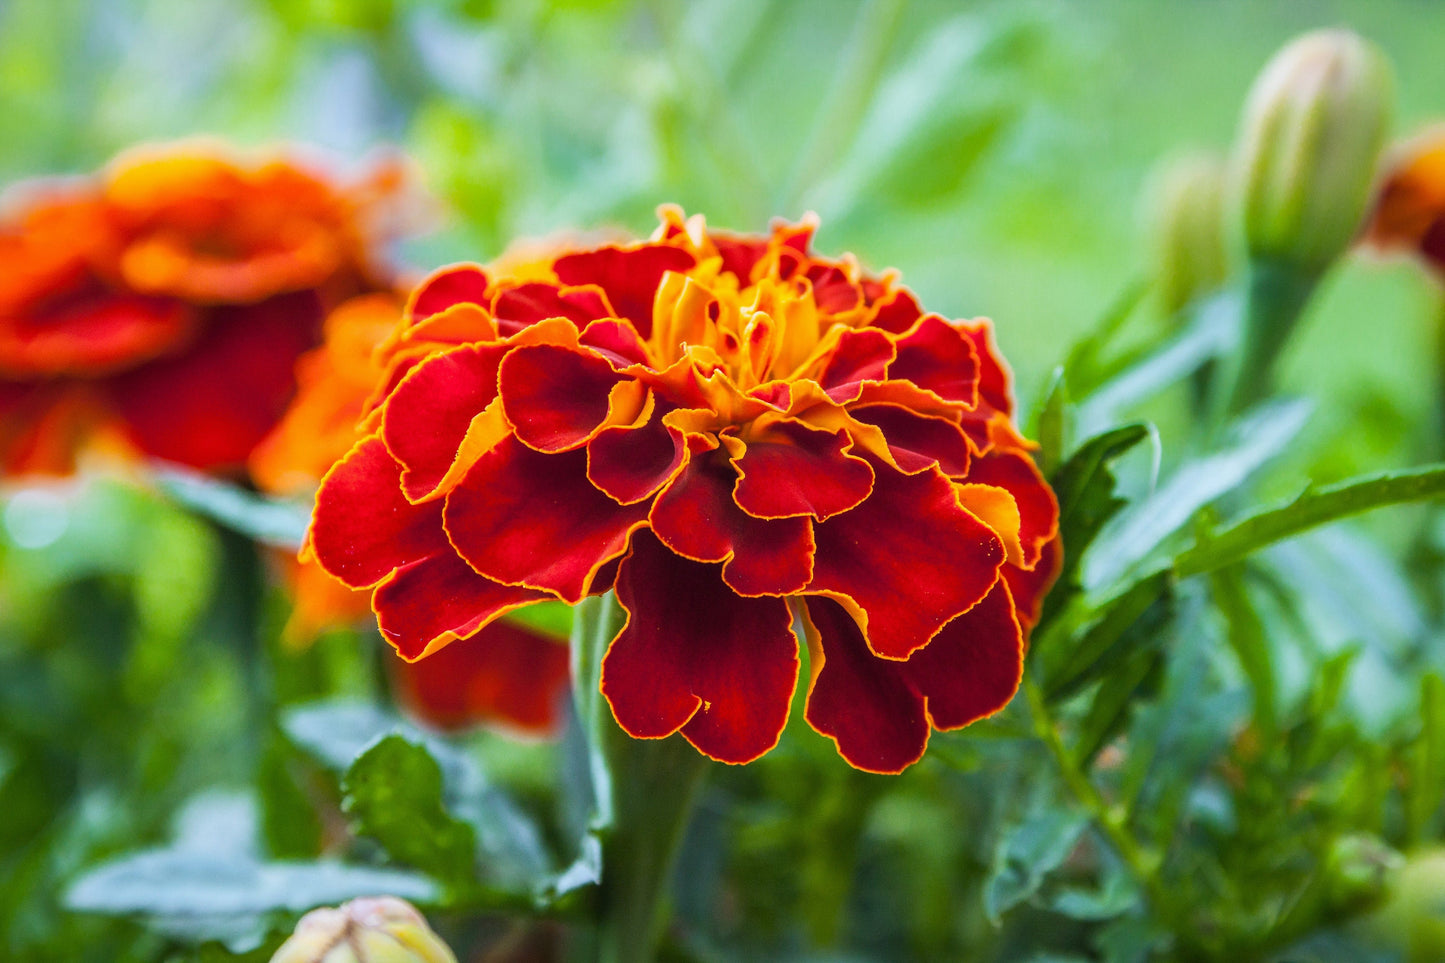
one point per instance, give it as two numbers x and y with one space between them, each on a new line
1083 368
1427 775
1211 334
336 731
1051 423
1109 711
1115 895
1065 670
1246 633
394 792
1309 509
552 619
1258 437
1129 939
1026 854
271 521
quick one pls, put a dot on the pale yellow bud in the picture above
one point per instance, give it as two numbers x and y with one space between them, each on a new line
379 929
1411 918
1186 213
1313 128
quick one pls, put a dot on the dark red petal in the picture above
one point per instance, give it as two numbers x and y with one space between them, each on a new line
1038 508
504 673
1029 587
973 667
865 704
798 470
833 291
630 463
91 332
993 377
363 527
917 441
861 355
438 600
454 284
898 313
939 357
527 518
907 561
696 516
696 657
209 406
526 304
617 341
555 397
430 410
629 276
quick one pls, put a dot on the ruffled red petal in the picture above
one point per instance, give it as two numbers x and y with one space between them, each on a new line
862 354
363 527
439 599
503 674
556 398
993 378
92 332
631 463
527 518
454 284
918 441
697 517
695 657
1038 508
211 405
939 357
629 276
797 470
899 313
526 304
865 704
1029 586
907 561
973 667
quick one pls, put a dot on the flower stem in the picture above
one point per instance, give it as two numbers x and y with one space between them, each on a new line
1142 864
646 792
1276 296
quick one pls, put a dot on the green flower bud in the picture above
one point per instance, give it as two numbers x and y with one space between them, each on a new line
379 929
1411 919
1186 212
1358 867
1313 128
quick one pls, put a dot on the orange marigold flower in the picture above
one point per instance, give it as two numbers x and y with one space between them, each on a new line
1409 208
735 434
174 292
506 673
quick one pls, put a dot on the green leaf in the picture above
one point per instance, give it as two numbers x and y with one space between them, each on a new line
1051 423
1084 486
1308 510
1258 437
394 793
1083 367
1026 854
1108 713
552 619
1248 639
336 731
1115 895
1108 640
271 521
1427 771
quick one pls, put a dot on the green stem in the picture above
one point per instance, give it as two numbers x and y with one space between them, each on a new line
1275 297
647 789
1143 865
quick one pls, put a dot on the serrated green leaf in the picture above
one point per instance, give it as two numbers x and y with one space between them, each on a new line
1108 640
393 791
271 521
1310 509
1257 438
1026 854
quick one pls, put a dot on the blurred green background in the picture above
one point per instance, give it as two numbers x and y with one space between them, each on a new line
994 152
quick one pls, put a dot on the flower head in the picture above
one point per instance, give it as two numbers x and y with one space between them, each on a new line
1409 207
167 299
379 929
735 434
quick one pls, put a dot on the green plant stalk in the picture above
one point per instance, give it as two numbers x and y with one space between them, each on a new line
1142 864
1275 296
650 785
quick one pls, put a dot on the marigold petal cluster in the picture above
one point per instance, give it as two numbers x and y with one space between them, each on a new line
737 435
506 674
164 301
1409 208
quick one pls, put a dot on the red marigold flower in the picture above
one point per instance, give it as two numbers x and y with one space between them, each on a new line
504 674
736 434
174 292
1409 210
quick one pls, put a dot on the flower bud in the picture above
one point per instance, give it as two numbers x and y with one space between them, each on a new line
1358 868
1411 919
381 929
1313 128
1186 211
